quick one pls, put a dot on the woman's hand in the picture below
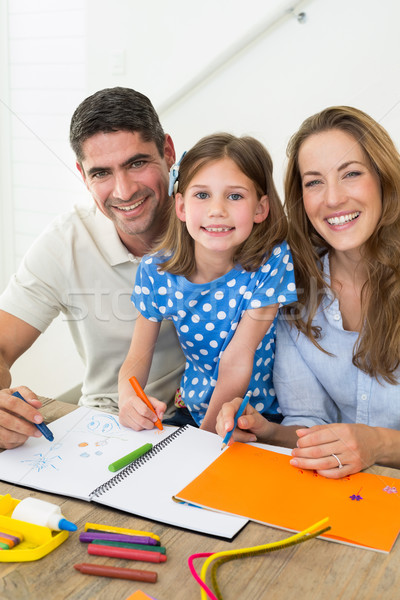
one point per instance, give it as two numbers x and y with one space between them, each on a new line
324 448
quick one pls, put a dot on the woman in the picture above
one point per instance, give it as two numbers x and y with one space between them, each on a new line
336 368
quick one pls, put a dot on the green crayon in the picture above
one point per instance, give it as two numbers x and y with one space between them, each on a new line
129 458
129 545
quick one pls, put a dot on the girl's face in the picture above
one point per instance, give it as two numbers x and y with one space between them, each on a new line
220 206
341 190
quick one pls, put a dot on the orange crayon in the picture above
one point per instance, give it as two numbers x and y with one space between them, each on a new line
139 391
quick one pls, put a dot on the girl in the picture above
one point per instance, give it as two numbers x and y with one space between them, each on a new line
220 273
337 364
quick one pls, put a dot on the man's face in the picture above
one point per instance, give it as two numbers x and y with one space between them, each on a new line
128 180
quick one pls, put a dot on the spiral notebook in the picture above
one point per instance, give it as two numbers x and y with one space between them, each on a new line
86 441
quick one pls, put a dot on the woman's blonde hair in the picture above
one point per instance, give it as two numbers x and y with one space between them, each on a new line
377 350
254 161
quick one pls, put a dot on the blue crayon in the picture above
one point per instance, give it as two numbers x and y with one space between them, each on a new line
41 426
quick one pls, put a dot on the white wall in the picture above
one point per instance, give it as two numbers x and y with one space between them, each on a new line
346 52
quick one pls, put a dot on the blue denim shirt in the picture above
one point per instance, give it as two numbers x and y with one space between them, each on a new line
314 388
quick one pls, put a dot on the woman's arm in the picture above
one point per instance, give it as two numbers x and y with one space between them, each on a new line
355 445
132 411
236 363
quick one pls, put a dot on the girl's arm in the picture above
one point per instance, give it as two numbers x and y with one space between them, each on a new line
132 411
236 364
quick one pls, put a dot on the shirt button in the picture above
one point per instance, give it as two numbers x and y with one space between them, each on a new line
336 316
363 396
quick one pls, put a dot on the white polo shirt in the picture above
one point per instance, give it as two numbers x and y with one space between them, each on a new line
79 267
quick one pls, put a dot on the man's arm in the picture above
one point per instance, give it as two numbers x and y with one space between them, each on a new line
16 417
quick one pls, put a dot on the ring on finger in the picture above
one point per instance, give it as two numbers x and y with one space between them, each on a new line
340 466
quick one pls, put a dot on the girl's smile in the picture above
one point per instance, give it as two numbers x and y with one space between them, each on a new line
220 207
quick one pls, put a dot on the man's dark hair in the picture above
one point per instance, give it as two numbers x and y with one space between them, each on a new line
115 109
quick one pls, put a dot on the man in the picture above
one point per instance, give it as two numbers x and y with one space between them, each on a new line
84 264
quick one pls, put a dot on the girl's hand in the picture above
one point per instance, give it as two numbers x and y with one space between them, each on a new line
134 413
356 446
251 424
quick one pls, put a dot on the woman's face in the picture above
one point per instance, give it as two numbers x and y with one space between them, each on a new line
341 190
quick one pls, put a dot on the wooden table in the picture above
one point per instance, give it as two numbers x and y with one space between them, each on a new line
317 569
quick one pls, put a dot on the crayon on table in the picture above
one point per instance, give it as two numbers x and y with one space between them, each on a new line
44 430
239 413
116 572
146 547
113 552
116 537
129 458
12 535
124 530
139 391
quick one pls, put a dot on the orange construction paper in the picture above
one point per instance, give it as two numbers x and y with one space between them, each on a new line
138 595
363 509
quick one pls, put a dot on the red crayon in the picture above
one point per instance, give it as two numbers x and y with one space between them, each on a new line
117 572
116 552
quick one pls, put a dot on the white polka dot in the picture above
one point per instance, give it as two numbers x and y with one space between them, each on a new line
270 292
151 279
281 298
279 410
198 337
145 290
191 394
204 405
274 272
213 382
219 295
266 268
204 352
182 313
231 282
258 363
267 361
291 287
138 289
285 259
259 406
195 356
232 303
142 306
289 267
256 392
223 334
153 319
207 307
201 394
255 303
170 303
195 318
213 344
277 251
208 367
267 376
272 392
221 315
162 291
242 289
210 326
148 261
169 283
179 295
247 295
205 381
190 344
257 376
195 380
184 328
234 326
162 310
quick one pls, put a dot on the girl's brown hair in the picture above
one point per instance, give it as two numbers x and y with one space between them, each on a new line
254 161
377 350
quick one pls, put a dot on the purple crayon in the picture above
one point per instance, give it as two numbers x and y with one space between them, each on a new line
87 537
